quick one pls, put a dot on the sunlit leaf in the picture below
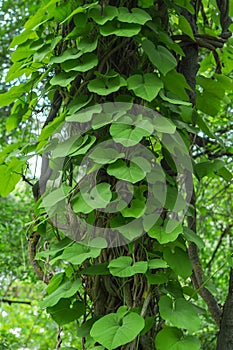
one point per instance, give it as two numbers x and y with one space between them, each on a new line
121 329
146 86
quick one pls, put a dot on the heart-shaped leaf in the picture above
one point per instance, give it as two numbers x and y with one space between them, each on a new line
85 115
146 86
179 261
87 44
131 230
64 312
78 253
205 168
104 87
120 29
97 198
130 135
122 329
85 63
157 264
65 290
63 79
136 15
180 313
132 172
159 56
168 232
171 338
105 155
135 209
69 54
101 15
123 267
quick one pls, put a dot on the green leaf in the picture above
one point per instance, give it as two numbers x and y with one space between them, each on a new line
104 87
225 174
79 205
12 94
145 3
212 86
174 101
105 155
65 290
160 277
69 54
51 199
10 175
137 16
149 323
85 63
78 253
103 14
169 232
85 147
102 119
69 146
64 312
123 267
87 44
84 115
97 269
136 209
21 53
78 103
63 79
55 248
179 261
132 172
204 127
121 329
98 198
55 281
174 200
130 135
208 103
159 56
120 29
185 4
165 38
79 10
171 338
27 34
84 329
146 86
157 264
176 83
193 237
205 168
185 26
130 230
180 313
43 54
164 125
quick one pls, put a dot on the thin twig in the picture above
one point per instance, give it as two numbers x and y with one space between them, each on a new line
9 301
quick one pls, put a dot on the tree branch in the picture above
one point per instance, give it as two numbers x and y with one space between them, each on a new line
9 301
226 231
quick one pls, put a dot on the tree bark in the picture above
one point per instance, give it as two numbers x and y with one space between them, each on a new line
225 336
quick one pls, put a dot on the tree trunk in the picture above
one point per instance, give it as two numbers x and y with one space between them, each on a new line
225 336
